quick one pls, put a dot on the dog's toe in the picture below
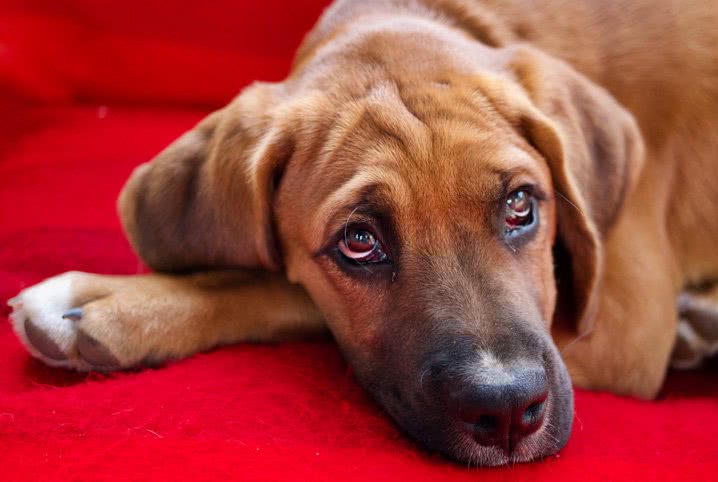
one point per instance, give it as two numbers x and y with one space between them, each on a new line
42 342
37 320
95 353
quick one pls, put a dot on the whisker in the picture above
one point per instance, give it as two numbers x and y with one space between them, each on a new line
565 198
575 340
548 432
578 418
421 379
346 225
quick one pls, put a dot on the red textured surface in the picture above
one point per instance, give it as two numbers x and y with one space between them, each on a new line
282 412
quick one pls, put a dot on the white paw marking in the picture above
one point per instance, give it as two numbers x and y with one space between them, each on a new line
44 304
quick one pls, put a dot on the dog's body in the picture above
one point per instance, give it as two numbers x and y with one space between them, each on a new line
419 127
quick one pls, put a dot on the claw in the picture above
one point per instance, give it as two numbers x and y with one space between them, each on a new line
75 314
14 302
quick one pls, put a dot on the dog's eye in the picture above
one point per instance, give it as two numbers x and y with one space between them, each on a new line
519 210
361 246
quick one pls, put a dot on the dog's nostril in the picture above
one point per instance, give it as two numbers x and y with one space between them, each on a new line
488 424
533 413
490 429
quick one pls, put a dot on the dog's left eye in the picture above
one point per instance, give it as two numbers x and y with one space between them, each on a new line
361 245
519 210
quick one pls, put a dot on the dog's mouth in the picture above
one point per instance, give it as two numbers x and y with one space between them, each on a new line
484 412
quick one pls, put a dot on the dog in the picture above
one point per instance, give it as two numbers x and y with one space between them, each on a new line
482 200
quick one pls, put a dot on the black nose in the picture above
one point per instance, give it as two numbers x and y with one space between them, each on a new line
503 408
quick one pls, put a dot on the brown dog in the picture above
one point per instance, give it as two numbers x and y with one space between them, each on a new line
450 181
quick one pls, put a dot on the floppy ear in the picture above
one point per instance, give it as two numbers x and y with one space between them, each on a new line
205 201
595 152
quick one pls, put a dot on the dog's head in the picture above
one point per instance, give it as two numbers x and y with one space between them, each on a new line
441 210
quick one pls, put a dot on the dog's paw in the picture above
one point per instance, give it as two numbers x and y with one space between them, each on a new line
697 336
66 321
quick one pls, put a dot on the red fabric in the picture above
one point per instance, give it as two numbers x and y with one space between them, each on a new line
156 51
282 412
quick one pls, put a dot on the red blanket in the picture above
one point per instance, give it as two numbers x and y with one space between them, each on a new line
89 91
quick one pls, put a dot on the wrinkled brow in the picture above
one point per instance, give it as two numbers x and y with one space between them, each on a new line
363 205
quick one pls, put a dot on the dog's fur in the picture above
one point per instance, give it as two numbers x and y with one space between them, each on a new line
416 118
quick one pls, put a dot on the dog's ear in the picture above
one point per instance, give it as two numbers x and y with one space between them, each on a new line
205 201
595 152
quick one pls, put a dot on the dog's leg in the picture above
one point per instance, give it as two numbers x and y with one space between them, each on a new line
94 322
697 338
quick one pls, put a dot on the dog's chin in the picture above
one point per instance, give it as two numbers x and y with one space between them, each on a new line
468 452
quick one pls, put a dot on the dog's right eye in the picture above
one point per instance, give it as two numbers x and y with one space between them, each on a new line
361 245
519 210
520 215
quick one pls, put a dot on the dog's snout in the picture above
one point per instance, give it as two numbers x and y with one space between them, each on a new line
503 413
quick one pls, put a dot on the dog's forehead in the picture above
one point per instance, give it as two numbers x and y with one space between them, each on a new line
416 152
449 190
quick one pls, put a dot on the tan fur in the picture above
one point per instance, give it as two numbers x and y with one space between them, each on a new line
425 108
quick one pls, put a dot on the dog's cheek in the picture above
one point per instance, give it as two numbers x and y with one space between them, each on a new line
538 268
351 309
549 291
547 275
